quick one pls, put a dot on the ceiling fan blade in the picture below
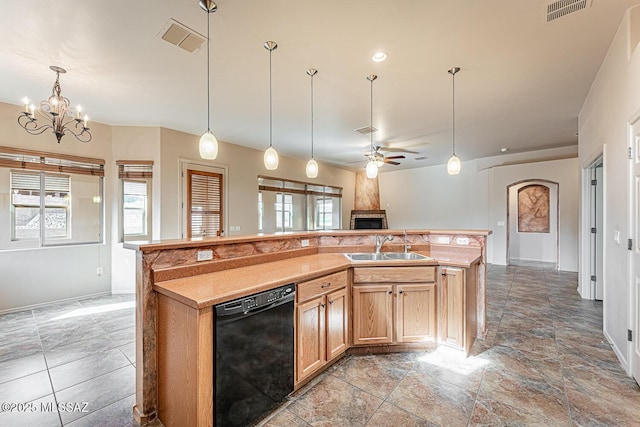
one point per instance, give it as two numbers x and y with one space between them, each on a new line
391 162
395 157
398 150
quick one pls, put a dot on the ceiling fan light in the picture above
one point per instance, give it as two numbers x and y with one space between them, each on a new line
271 159
208 146
312 168
453 165
371 169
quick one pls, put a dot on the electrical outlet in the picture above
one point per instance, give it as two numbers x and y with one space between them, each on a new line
304 243
616 236
234 228
500 223
100 271
442 239
205 255
462 240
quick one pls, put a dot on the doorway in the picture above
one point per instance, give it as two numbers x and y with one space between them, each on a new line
533 221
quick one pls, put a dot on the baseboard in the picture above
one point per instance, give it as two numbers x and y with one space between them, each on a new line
623 360
43 304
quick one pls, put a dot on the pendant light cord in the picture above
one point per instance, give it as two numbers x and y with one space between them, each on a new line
208 74
270 104
371 119
453 115
312 115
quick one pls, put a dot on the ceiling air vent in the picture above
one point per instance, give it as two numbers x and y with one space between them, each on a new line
181 36
560 8
367 130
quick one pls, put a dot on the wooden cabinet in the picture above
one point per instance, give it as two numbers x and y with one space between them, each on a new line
401 312
322 319
457 301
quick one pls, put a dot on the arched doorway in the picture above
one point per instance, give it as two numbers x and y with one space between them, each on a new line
533 221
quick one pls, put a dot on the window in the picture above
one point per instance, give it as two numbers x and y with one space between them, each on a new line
135 217
29 202
297 206
50 199
284 211
134 208
204 204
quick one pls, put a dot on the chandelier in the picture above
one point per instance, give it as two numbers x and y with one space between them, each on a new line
59 116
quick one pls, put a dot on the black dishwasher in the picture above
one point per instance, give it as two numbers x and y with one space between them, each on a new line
253 356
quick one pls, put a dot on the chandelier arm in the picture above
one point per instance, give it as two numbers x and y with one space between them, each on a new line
31 125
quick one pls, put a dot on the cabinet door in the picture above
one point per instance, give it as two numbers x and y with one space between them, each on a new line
416 313
372 314
337 323
310 337
452 308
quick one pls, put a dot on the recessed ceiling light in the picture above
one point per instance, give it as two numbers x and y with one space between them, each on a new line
504 150
379 56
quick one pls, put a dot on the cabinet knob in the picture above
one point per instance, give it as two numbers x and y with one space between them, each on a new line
322 305
390 292
326 285
330 302
400 292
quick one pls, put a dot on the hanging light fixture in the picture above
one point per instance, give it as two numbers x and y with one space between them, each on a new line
372 167
270 154
57 111
454 165
208 143
312 165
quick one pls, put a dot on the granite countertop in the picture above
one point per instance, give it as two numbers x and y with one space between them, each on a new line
214 288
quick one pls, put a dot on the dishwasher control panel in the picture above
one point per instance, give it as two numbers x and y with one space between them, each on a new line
256 301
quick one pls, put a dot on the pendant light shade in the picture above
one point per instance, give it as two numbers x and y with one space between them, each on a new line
271 159
372 166
453 165
312 165
312 168
208 145
270 154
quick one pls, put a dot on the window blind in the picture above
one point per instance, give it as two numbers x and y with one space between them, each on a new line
204 204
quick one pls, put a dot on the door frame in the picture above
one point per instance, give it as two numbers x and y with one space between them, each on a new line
204 167
508 223
633 356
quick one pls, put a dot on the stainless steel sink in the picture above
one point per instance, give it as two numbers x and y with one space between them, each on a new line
404 255
385 256
365 256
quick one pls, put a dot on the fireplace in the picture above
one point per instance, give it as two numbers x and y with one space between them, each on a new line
368 219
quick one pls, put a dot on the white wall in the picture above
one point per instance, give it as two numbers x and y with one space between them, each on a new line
40 275
614 101
430 198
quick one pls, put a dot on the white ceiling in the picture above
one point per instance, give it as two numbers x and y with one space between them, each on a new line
522 82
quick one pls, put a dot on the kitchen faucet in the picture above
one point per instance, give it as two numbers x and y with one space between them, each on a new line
380 242
406 246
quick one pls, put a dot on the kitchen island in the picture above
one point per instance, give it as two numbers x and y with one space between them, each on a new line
175 295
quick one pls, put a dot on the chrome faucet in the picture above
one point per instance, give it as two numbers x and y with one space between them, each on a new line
381 241
406 246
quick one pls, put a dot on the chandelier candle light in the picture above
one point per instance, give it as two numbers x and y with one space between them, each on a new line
57 111
312 165
208 146
270 154
372 166
453 165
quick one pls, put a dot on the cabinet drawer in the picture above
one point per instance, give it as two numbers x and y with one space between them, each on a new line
393 274
322 285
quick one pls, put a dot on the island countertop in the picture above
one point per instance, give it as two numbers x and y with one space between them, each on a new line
217 287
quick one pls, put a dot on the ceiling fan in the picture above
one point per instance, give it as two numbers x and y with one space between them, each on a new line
380 159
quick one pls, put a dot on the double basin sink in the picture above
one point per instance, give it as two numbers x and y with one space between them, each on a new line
384 256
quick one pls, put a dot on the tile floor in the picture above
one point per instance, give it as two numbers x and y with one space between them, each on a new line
545 362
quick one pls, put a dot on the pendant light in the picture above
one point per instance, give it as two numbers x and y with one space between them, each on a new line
372 167
312 165
270 154
453 165
208 143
